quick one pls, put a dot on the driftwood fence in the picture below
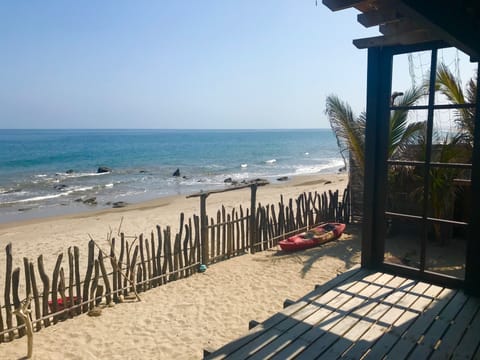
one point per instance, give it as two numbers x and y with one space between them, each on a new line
135 264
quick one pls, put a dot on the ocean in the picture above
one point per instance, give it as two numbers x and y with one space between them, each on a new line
52 172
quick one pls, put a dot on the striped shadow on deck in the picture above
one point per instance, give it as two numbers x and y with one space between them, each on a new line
367 315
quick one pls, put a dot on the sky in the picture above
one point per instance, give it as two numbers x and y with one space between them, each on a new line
224 64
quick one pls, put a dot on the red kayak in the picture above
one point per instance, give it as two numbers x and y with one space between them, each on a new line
313 237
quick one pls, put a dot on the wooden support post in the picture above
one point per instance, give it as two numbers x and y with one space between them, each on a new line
8 282
16 301
253 230
88 274
56 274
24 312
35 297
204 229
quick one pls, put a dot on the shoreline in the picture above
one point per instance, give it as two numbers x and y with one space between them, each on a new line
293 182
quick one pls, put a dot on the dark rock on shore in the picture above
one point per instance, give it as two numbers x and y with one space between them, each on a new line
119 204
256 181
283 178
176 173
228 180
60 187
103 169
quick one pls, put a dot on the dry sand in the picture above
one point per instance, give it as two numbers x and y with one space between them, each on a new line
180 319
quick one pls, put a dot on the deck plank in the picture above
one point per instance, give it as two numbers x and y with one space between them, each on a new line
298 344
329 330
411 337
440 324
382 336
453 335
469 344
366 320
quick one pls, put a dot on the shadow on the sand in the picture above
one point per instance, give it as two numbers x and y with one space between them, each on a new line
346 248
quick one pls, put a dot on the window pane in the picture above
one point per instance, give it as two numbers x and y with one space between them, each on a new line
405 189
445 252
402 243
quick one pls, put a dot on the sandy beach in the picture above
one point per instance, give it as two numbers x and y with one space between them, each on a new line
180 319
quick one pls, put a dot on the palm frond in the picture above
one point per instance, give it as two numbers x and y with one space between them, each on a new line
402 133
349 131
451 87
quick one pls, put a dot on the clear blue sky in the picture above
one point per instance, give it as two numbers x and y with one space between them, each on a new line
176 64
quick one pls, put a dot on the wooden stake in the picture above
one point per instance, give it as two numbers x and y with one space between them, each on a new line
24 312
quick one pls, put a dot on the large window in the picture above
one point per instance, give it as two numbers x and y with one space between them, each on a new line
427 198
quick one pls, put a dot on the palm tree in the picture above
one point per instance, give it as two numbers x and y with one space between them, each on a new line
350 130
451 87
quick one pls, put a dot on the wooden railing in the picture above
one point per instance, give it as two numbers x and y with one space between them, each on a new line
136 264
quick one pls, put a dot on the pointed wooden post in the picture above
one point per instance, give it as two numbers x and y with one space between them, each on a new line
253 212
204 229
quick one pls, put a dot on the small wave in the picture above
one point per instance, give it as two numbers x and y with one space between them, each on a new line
306 154
108 185
331 165
79 175
244 165
41 175
80 189
50 196
272 161
37 198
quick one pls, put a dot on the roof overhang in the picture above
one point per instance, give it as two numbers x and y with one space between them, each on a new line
409 22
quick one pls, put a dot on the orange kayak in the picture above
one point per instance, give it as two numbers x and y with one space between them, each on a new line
313 237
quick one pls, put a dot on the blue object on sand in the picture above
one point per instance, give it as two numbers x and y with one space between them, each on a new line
202 268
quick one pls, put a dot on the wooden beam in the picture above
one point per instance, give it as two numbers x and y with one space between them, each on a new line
413 37
336 5
379 16
403 25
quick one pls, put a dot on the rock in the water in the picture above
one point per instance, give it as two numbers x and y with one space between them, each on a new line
119 204
228 180
103 169
177 172
60 187
69 171
283 178
90 201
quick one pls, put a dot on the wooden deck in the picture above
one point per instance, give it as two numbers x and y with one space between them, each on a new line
367 315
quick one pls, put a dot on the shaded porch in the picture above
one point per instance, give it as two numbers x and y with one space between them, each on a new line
370 315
